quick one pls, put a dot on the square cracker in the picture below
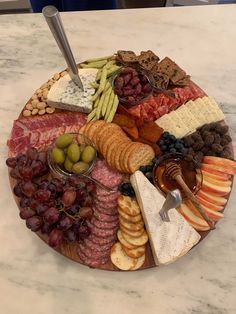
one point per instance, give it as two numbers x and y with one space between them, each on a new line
127 56
147 60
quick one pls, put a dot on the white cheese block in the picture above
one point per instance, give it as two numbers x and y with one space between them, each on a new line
203 107
168 240
196 111
214 110
65 94
180 128
191 122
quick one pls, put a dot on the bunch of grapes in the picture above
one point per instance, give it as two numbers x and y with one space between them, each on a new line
54 207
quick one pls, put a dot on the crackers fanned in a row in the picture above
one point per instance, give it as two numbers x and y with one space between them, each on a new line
129 252
118 150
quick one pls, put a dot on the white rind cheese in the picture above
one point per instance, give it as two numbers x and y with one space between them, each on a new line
65 94
169 240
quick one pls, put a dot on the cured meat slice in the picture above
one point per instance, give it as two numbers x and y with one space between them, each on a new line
105 204
102 192
104 225
92 254
40 131
102 241
92 262
106 175
108 198
97 247
104 217
113 211
103 233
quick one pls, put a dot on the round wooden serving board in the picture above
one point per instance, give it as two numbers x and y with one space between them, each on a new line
69 250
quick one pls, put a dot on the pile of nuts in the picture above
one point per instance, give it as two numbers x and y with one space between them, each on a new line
38 102
209 140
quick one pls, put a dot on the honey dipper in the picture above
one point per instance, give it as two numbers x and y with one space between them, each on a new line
174 171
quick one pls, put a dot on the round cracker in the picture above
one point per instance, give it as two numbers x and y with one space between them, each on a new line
113 148
120 259
128 218
123 242
135 234
117 134
122 155
128 205
131 226
93 128
135 253
127 156
140 262
141 156
106 133
138 241
117 163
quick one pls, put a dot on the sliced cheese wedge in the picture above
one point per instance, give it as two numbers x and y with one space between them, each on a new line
195 109
168 240
191 122
214 110
180 128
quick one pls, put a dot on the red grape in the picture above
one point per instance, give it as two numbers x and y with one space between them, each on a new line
90 187
68 197
43 185
76 182
55 238
42 156
52 188
46 228
32 203
65 223
26 213
72 210
58 184
51 215
87 202
41 208
26 172
70 235
17 190
86 212
34 223
21 160
24 202
42 195
81 194
14 173
28 188
11 162
37 167
84 231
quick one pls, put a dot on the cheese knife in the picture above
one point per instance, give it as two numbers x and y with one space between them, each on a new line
54 22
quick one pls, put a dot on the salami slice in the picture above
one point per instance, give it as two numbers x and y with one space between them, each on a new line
92 254
97 247
103 224
105 204
108 211
108 198
92 262
100 232
102 241
102 192
104 217
106 175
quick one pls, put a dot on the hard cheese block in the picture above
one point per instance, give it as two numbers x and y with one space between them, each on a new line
65 94
168 240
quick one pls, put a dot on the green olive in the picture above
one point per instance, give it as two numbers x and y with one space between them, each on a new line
68 164
58 155
88 154
64 140
80 167
73 152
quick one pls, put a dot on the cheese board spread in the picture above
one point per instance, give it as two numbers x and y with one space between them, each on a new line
89 168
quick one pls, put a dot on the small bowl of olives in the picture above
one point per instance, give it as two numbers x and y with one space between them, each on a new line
71 153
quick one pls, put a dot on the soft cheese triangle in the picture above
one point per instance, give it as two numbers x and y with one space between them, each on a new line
65 94
169 240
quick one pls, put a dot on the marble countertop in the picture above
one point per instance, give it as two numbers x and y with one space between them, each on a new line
34 278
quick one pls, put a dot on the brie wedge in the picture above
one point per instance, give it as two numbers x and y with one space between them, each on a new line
168 240
65 94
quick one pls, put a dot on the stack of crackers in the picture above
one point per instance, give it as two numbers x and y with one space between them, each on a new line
119 151
129 252
162 74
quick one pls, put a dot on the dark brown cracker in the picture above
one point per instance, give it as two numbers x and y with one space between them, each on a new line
147 60
127 56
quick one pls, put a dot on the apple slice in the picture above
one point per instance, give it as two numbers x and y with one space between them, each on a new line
216 181
212 214
203 202
226 165
211 198
190 216
192 223
212 170
222 177
212 187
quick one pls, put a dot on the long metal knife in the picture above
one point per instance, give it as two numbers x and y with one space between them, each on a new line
53 19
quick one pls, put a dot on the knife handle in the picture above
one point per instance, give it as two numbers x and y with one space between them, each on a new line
53 19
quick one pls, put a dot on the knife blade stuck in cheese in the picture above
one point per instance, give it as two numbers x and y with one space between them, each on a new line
169 240
65 94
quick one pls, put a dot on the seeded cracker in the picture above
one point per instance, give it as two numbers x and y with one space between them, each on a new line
127 56
147 60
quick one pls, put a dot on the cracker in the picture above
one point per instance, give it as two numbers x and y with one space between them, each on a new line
139 263
117 163
135 234
128 205
120 259
123 242
112 150
147 60
140 157
127 56
128 218
135 253
138 241
131 226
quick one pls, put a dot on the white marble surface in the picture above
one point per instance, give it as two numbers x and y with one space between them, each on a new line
35 279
